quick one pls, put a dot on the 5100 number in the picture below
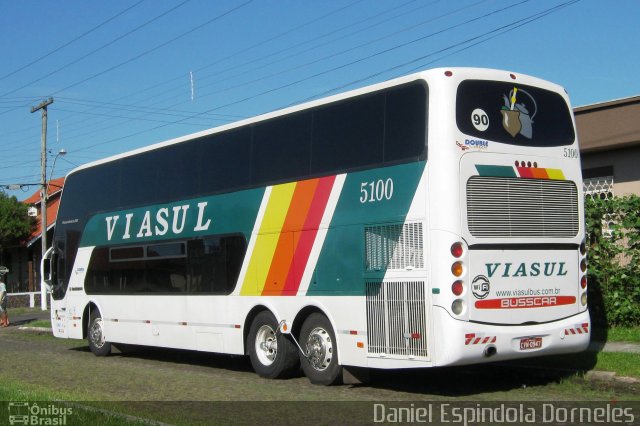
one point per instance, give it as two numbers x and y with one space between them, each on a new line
379 190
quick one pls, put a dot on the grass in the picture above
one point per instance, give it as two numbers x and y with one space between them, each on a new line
622 363
40 323
77 413
23 311
624 334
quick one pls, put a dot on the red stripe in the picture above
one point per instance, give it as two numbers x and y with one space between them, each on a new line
525 172
303 241
282 260
468 337
525 302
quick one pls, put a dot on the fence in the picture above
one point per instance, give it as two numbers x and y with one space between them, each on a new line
22 300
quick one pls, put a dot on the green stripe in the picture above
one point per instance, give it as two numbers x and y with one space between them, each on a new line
341 266
499 171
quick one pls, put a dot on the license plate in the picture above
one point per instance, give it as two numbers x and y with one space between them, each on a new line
530 343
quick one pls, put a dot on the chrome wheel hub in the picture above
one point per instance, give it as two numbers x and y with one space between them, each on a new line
319 349
266 345
95 333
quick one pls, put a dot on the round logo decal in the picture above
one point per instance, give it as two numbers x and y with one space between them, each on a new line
480 287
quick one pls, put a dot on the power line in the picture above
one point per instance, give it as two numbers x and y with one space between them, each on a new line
500 30
551 10
279 35
128 33
461 45
84 34
161 45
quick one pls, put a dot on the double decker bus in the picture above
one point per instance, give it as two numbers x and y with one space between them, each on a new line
435 219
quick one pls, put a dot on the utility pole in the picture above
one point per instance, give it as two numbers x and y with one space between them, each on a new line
43 192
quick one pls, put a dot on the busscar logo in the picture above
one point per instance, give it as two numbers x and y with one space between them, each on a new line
480 287
32 413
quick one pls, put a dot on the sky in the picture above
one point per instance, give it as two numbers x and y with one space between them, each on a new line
125 74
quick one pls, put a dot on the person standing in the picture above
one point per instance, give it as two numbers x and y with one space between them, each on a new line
4 316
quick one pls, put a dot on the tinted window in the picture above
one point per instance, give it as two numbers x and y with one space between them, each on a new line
281 149
225 161
371 130
405 123
209 265
348 134
513 113
126 253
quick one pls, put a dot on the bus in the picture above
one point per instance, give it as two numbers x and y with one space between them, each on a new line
431 220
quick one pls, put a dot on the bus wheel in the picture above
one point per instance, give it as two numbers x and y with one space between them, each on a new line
97 343
272 354
320 364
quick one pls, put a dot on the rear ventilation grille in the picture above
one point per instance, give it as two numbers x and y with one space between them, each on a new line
396 319
393 246
522 208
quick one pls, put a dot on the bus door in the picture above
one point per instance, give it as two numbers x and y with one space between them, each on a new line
48 269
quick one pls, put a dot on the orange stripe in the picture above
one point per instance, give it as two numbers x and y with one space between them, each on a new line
304 240
539 173
295 219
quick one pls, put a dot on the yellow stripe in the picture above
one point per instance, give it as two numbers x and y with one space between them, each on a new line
555 174
267 239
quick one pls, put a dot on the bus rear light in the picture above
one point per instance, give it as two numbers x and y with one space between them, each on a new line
583 282
583 265
583 299
513 76
583 248
457 269
457 306
457 288
457 250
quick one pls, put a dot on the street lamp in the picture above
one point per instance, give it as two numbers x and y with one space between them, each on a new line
43 235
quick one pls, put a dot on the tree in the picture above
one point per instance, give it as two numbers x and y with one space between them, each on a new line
15 224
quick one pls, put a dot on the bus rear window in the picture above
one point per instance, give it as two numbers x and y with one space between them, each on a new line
513 113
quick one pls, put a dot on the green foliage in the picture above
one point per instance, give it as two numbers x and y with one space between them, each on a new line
15 224
614 260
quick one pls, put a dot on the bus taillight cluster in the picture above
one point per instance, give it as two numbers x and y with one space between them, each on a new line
457 269
583 270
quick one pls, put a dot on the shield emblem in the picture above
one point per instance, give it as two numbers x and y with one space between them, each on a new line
511 121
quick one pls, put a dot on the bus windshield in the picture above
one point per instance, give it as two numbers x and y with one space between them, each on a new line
513 113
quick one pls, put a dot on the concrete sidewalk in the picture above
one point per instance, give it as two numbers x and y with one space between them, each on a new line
628 347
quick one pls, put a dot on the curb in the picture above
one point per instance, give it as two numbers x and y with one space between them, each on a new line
610 377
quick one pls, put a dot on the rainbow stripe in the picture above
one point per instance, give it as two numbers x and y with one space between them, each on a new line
522 172
286 236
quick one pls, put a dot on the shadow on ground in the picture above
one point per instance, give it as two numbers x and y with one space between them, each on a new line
444 381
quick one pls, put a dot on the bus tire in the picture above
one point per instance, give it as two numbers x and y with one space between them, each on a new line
95 335
318 340
272 354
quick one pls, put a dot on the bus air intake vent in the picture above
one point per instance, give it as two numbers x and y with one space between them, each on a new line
394 246
396 319
501 207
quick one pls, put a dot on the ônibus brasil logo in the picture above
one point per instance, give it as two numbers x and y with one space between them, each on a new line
32 413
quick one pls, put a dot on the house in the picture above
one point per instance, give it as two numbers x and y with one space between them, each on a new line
24 261
609 136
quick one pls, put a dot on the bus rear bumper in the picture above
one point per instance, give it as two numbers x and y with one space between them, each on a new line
469 343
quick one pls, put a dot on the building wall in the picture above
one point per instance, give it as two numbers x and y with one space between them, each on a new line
625 164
